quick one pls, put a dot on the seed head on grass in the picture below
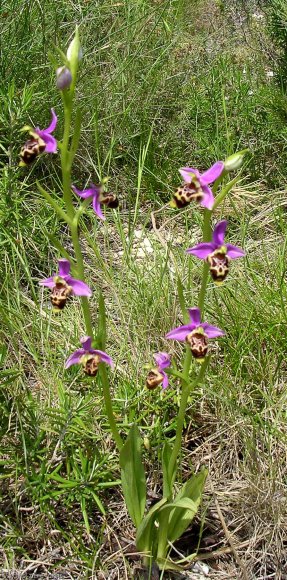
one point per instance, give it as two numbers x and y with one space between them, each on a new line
88 357
217 253
63 285
196 334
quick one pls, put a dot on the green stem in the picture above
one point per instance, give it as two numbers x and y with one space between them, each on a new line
205 273
109 407
67 194
67 155
186 390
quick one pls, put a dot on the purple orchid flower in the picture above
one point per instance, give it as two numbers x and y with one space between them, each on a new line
41 141
157 376
196 186
89 357
94 193
45 134
196 334
99 196
63 285
217 253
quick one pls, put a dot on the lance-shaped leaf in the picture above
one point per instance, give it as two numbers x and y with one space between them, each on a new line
167 479
186 505
133 476
147 531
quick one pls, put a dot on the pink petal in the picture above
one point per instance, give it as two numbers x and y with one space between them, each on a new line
194 315
64 267
79 287
234 252
165 380
49 282
86 342
51 143
219 233
188 173
74 358
212 331
84 193
201 250
212 173
208 199
180 333
162 359
104 357
97 207
53 123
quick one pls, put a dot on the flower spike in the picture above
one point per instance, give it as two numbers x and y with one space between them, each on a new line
196 334
217 253
41 142
63 285
88 357
196 186
157 376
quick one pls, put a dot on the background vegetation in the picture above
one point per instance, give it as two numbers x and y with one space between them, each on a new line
163 84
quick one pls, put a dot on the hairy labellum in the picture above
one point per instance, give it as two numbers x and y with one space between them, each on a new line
31 149
154 379
187 193
91 365
218 265
109 199
198 343
60 294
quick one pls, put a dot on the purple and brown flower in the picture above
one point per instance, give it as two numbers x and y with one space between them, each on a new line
217 253
157 376
63 285
41 141
196 334
98 197
88 357
196 186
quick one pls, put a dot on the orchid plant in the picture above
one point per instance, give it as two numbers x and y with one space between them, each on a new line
164 523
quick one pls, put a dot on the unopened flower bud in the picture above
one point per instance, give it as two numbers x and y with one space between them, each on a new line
64 77
146 443
74 52
234 161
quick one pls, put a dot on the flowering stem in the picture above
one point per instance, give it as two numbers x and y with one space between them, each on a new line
67 194
186 390
186 387
205 273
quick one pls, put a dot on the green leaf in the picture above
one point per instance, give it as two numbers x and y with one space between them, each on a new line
186 505
145 539
133 476
167 479
61 248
